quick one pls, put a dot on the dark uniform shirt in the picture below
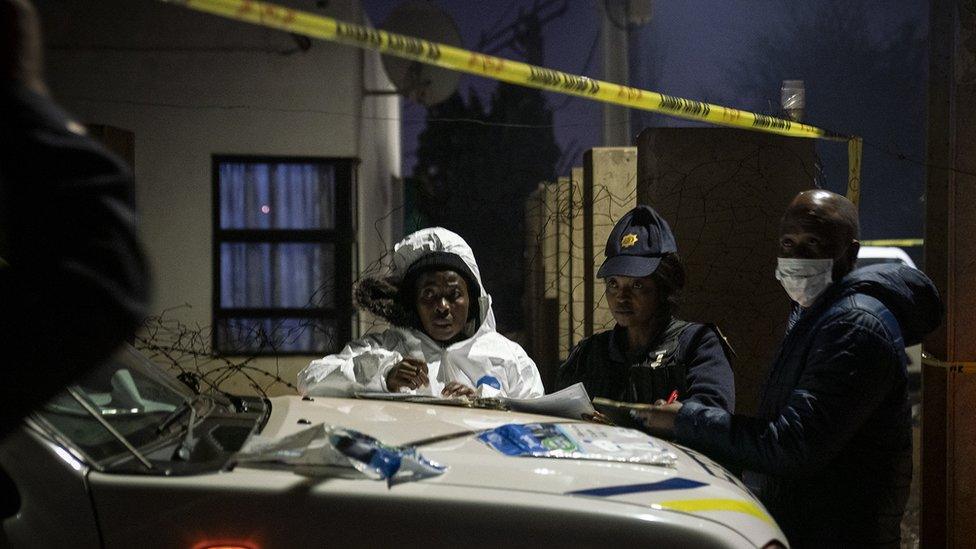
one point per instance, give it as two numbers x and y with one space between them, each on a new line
688 357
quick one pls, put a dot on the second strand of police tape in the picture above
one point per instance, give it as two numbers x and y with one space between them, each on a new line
497 68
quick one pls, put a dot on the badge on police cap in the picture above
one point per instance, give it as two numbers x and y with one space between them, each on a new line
628 240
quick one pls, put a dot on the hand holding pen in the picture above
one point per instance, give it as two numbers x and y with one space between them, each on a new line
659 420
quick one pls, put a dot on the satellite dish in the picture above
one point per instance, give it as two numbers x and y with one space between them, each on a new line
423 83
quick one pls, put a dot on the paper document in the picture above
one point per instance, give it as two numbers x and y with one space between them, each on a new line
571 402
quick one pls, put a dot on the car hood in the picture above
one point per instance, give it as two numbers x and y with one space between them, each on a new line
694 485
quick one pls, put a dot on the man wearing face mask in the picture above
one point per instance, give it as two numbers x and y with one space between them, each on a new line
830 452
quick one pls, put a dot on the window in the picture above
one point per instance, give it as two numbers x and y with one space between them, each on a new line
282 255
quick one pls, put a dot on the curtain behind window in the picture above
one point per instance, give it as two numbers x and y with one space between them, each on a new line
273 274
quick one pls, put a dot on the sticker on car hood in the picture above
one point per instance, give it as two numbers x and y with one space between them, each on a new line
588 441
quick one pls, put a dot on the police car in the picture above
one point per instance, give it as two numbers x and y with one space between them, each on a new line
130 457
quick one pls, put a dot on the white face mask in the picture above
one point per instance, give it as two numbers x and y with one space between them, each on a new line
804 279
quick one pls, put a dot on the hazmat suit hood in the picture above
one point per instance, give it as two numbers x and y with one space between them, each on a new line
426 242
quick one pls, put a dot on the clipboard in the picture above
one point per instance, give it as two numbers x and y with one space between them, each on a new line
619 412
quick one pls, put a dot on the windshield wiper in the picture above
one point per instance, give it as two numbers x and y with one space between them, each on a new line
73 391
188 442
184 407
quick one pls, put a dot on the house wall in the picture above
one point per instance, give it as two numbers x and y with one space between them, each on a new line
191 85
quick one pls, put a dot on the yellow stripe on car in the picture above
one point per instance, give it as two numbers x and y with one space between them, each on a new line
717 504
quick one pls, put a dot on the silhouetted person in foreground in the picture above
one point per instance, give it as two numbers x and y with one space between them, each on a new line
73 280
830 452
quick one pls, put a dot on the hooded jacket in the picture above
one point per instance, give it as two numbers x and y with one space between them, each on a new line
487 360
830 453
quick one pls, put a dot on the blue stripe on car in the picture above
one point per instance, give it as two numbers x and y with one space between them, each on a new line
670 484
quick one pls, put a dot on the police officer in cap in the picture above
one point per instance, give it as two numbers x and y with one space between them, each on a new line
649 354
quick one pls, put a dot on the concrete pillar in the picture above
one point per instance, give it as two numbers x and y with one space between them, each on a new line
578 263
541 297
948 490
550 241
609 191
564 230
538 303
723 191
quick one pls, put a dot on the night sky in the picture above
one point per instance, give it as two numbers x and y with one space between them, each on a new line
864 64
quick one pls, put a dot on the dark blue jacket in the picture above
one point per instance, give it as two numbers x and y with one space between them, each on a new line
830 453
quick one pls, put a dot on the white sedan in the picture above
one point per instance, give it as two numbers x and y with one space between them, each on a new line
131 458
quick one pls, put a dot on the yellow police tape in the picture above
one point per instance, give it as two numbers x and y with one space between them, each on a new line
901 242
497 68
952 367
716 504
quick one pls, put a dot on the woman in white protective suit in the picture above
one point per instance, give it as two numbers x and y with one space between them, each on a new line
442 340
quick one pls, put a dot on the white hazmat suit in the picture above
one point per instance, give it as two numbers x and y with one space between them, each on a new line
487 360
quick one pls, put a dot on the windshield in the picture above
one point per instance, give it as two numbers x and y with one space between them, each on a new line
129 393
865 261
